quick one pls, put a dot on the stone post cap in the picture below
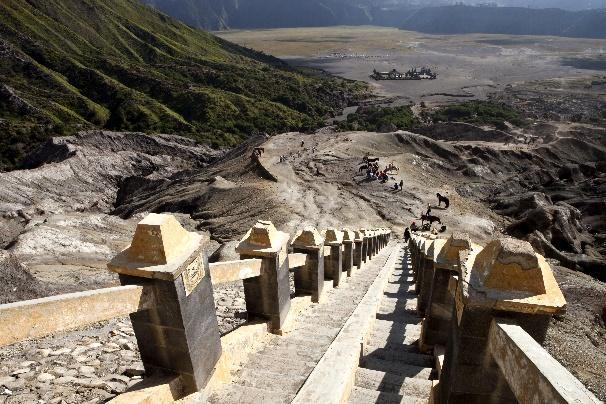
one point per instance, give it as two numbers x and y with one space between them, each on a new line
449 255
348 236
426 245
159 248
332 236
359 234
262 240
308 237
435 248
509 275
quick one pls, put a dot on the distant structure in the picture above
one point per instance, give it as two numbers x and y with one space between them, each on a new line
424 73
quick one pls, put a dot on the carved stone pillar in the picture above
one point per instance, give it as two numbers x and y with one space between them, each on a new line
359 239
348 251
268 295
179 334
333 264
310 278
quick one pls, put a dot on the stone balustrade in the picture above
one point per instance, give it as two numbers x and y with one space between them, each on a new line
486 312
167 289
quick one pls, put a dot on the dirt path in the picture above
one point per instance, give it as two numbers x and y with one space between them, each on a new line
320 184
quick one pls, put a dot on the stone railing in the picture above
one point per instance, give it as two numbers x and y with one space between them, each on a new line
486 311
167 289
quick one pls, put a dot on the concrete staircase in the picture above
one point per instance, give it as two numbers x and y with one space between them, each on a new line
275 373
392 369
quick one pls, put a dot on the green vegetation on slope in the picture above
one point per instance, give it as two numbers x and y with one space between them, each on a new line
379 119
116 64
479 113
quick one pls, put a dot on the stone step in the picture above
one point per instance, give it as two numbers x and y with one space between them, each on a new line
237 394
308 334
320 330
400 316
401 289
284 382
322 320
392 383
395 328
291 364
389 305
397 353
297 340
382 337
294 351
398 368
399 301
390 343
360 395
402 276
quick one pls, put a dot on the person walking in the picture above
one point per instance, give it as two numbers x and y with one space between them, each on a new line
406 235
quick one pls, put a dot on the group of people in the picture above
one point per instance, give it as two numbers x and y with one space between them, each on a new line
374 172
284 158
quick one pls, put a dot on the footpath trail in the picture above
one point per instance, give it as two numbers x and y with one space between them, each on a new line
392 369
275 373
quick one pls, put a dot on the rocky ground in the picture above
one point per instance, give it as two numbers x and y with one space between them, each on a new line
78 204
92 365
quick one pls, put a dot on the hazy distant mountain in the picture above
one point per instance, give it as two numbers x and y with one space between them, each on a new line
507 20
208 14
423 15
220 14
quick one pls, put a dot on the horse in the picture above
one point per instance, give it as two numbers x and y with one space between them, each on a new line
443 199
257 152
430 219
367 159
362 168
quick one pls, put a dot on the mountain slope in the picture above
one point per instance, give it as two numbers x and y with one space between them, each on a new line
120 65
508 20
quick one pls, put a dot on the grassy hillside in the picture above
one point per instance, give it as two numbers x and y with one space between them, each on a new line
116 64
